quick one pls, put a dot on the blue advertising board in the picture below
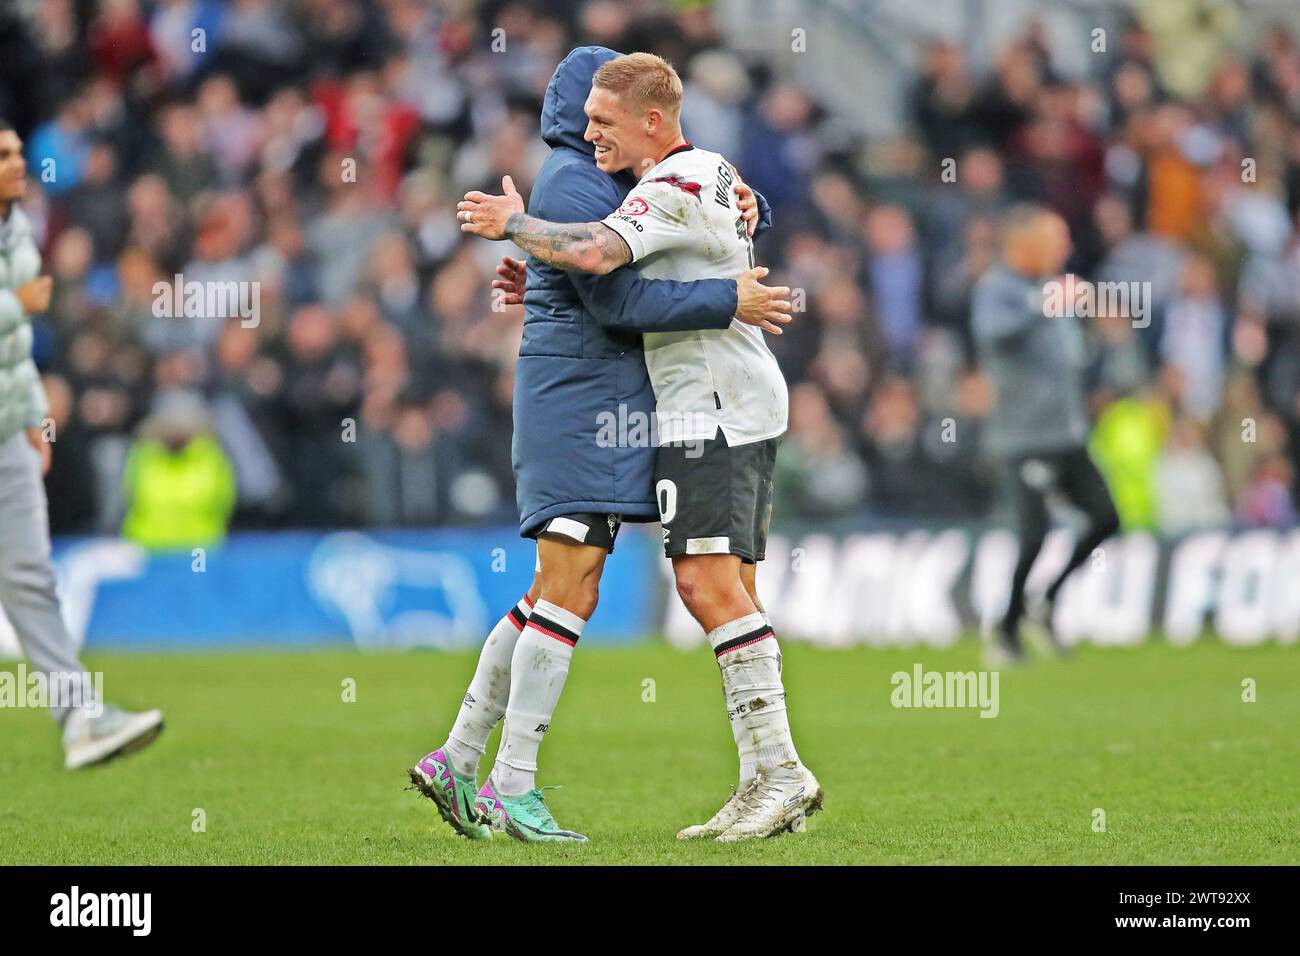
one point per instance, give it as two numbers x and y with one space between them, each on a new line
391 589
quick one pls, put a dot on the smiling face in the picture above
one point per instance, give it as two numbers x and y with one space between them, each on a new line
618 133
13 168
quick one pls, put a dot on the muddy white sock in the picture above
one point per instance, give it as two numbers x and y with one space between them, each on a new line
488 694
750 661
537 674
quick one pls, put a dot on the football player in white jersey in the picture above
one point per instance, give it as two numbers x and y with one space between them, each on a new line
721 403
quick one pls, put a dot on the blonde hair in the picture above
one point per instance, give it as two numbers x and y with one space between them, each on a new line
643 78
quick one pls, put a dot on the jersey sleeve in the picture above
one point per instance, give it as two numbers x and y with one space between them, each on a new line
657 216
624 301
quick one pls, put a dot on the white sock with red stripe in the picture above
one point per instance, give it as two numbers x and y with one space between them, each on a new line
488 693
537 673
750 660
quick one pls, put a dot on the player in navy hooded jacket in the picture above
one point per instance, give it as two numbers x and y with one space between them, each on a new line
580 368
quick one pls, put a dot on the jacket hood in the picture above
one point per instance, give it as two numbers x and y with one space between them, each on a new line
563 121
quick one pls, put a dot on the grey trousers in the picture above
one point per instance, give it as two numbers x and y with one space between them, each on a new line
26 572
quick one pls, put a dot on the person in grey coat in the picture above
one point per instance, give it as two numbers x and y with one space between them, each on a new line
93 731
1038 428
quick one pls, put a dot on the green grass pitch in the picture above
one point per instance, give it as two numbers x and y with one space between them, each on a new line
285 771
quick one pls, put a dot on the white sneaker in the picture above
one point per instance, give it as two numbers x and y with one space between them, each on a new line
89 740
721 821
777 801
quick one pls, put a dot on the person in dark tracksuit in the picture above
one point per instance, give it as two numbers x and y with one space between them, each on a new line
581 371
1038 429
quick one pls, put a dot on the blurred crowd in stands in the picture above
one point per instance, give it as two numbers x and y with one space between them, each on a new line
318 149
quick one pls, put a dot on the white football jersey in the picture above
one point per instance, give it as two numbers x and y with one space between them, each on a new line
681 222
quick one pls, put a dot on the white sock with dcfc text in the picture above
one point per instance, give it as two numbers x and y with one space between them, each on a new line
537 673
488 693
750 660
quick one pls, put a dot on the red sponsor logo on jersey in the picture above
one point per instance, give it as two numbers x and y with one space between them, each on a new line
634 207
679 183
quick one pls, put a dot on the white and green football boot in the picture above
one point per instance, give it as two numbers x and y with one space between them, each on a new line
526 817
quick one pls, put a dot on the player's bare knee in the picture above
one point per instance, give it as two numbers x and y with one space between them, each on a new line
687 591
702 589
689 582
584 596
577 593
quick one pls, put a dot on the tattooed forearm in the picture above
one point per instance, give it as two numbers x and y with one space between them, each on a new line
581 246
